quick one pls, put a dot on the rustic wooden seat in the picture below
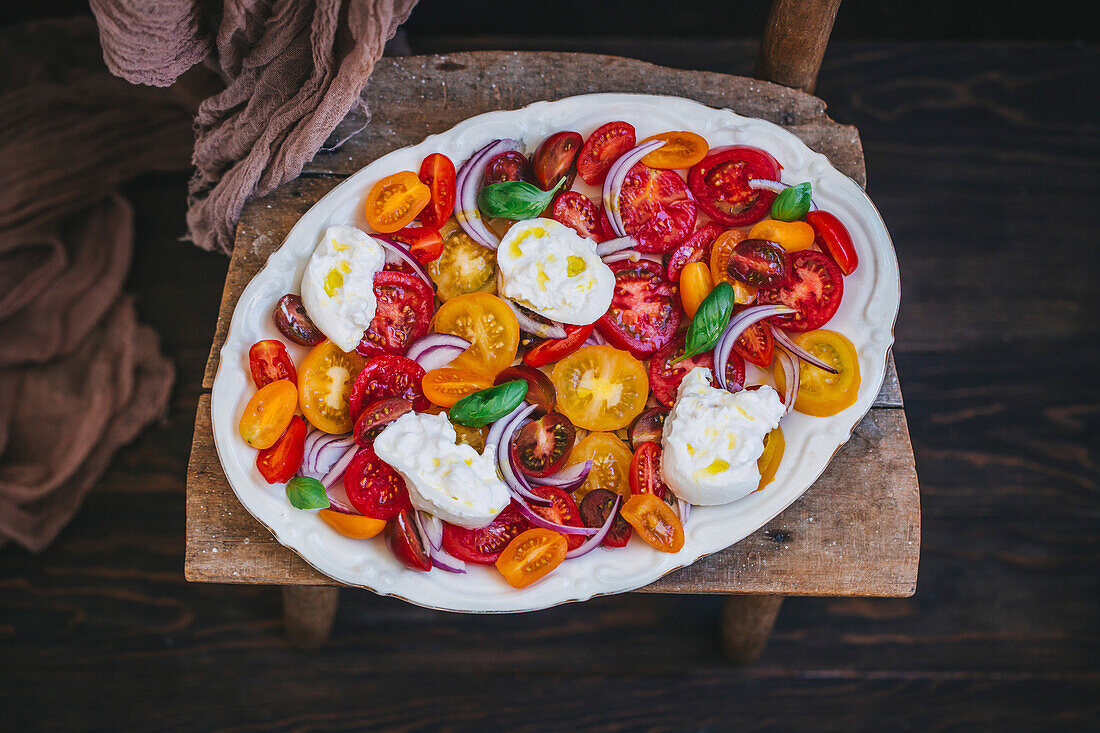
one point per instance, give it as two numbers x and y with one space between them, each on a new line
855 532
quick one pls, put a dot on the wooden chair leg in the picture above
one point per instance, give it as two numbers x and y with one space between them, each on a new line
308 613
794 42
746 623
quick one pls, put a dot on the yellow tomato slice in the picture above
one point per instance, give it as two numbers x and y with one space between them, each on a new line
610 463
530 556
464 266
268 413
819 393
600 387
768 463
354 526
695 285
324 382
395 201
682 149
720 253
792 236
447 385
488 324
654 521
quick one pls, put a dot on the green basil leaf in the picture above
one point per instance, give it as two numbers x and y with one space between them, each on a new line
515 200
306 493
489 405
710 320
792 203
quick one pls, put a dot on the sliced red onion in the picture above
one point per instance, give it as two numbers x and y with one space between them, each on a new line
736 327
437 350
595 339
612 246
543 329
337 471
791 374
433 529
499 441
632 255
399 252
787 343
767 184
445 560
467 183
683 508
594 541
321 451
338 499
612 185
568 478
539 521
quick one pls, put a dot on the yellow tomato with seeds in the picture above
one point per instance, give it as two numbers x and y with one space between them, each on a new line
600 387
354 526
488 324
820 393
610 463
324 384
720 253
464 266
268 413
695 285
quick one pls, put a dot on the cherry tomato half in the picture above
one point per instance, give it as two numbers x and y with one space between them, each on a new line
561 510
768 463
695 248
405 542
554 160
643 315
575 210
374 487
387 375
540 390
484 545
815 289
695 286
437 172
656 208
649 426
403 314
833 237
610 463
595 508
793 236
720 183
280 462
291 320
665 378
602 148
395 201
510 165
552 350
682 149
645 471
268 413
425 242
655 522
355 526
755 344
376 416
325 379
269 361
447 385
760 263
541 447
531 556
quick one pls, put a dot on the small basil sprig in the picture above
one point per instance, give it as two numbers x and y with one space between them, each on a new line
306 493
489 405
710 320
515 200
792 203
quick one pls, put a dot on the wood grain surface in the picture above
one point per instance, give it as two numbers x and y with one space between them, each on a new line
977 155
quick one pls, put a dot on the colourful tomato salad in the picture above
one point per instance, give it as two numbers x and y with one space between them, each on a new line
531 356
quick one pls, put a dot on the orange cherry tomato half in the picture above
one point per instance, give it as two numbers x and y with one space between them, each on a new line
768 463
269 361
488 324
820 393
395 201
695 286
531 556
267 415
654 521
325 377
681 150
446 386
793 236
720 253
280 462
354 526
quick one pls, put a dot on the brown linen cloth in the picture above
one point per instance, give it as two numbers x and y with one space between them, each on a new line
292 69
79 377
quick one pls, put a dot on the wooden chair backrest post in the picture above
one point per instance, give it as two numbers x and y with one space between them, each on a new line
794 42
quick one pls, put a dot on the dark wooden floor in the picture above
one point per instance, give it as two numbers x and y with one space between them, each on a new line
984 162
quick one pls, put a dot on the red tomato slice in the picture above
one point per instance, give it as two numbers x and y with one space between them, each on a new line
602 148
483 546
404 541
645 471
437 172
815 289
833 237
374 488
554 160
562 510
665 378
552 350
656 208
604 227
425 242
269 362
575 210
508 166
280 462
643 315
404 314
720 183
387 375
695 249
755 344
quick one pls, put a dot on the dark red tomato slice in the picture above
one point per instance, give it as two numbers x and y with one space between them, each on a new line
650 425
815 289
280 462
596 507
602 148
604 229
483 546
656 208
404 540
387 375
759 263
755 344
403 315
291 320
541 447
374 488
553 350
554 160
735 369
540 390
720 183
575 210
645 471
376 416
644 314
562 510
437 172
695 248
665 378
269 362
425 242
508 166
833 237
